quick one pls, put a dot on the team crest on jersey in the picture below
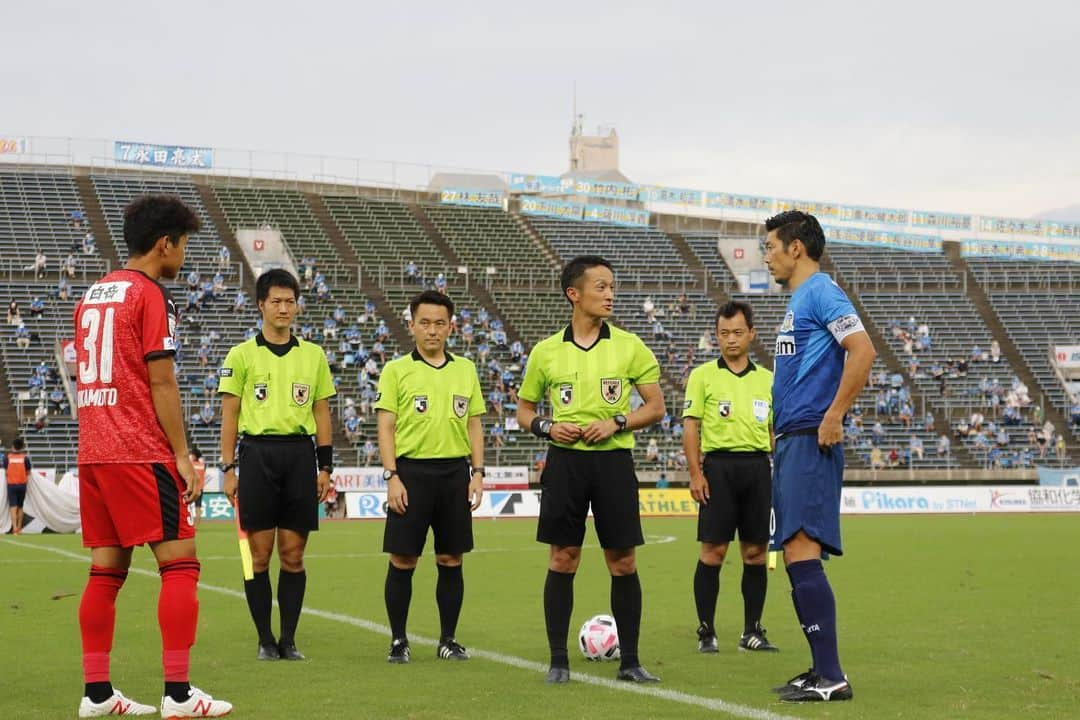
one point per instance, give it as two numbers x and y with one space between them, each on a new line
686 405
611 390
461 405
260 392
301 393
789 323
566 393
724 408
420 404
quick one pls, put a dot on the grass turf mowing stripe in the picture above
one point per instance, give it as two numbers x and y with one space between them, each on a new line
732 709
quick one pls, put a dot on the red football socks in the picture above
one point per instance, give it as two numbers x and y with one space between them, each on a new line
178 614
97 620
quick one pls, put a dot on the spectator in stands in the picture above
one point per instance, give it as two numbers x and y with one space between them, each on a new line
977 354
977 420
483 319
928 421
40 262
1002 437
498 435
915 446
22 336
206 414
193 280
224 258
705 343
540 460
218 288
78 217
495 401
906 414
894 458
1074 412
913 368
204 355
878 431
301 305
322 291
41 417
498 337
210 382
995 351
352 429
683 304
14 317
1059 447
58 400
440 283
649 308
307 270
89 243
63 288
240 302
659 333
411 272
370 452
206 291
943 445
330 329
68 266
877 460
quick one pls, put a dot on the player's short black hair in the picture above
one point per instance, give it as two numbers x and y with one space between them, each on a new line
432 297
575 270
275 277
18 444
795 224
733 308
148 218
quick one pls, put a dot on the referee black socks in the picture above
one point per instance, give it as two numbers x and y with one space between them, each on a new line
626 607
755 581
398 595
290 597
558 606
260 600
706 588
449 596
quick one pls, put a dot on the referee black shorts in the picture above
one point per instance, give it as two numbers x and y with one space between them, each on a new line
438 494
575 479
740 498
277 483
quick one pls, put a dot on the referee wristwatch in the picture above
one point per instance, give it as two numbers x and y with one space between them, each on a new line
387 474
620 422
231 466
481 470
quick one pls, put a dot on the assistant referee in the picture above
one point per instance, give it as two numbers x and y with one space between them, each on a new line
429 407
586 371
728 416
274 394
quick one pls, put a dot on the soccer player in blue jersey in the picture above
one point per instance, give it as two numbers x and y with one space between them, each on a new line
822 361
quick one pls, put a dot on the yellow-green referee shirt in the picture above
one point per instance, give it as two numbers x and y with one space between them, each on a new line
735 409
589 384
277 385
432 405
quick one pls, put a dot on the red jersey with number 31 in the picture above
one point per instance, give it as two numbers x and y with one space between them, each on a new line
123 321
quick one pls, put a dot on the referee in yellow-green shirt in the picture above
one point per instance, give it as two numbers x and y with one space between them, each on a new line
429 405
586 372
728 416
274 395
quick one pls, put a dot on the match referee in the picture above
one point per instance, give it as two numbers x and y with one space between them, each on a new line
275 389
429 406
728 415
586 371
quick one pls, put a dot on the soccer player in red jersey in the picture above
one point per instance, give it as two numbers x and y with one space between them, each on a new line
135 476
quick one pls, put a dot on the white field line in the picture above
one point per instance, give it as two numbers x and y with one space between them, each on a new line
732 709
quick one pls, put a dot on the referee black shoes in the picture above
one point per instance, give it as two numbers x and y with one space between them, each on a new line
399 652
288 651
756 641
706 640
637 674
269 651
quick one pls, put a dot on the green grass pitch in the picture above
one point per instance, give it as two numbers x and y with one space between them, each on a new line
940 617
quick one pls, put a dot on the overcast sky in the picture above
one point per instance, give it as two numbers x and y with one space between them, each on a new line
944 105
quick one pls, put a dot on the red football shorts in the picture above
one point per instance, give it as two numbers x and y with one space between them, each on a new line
126 505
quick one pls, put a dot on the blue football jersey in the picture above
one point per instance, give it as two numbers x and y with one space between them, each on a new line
809 358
